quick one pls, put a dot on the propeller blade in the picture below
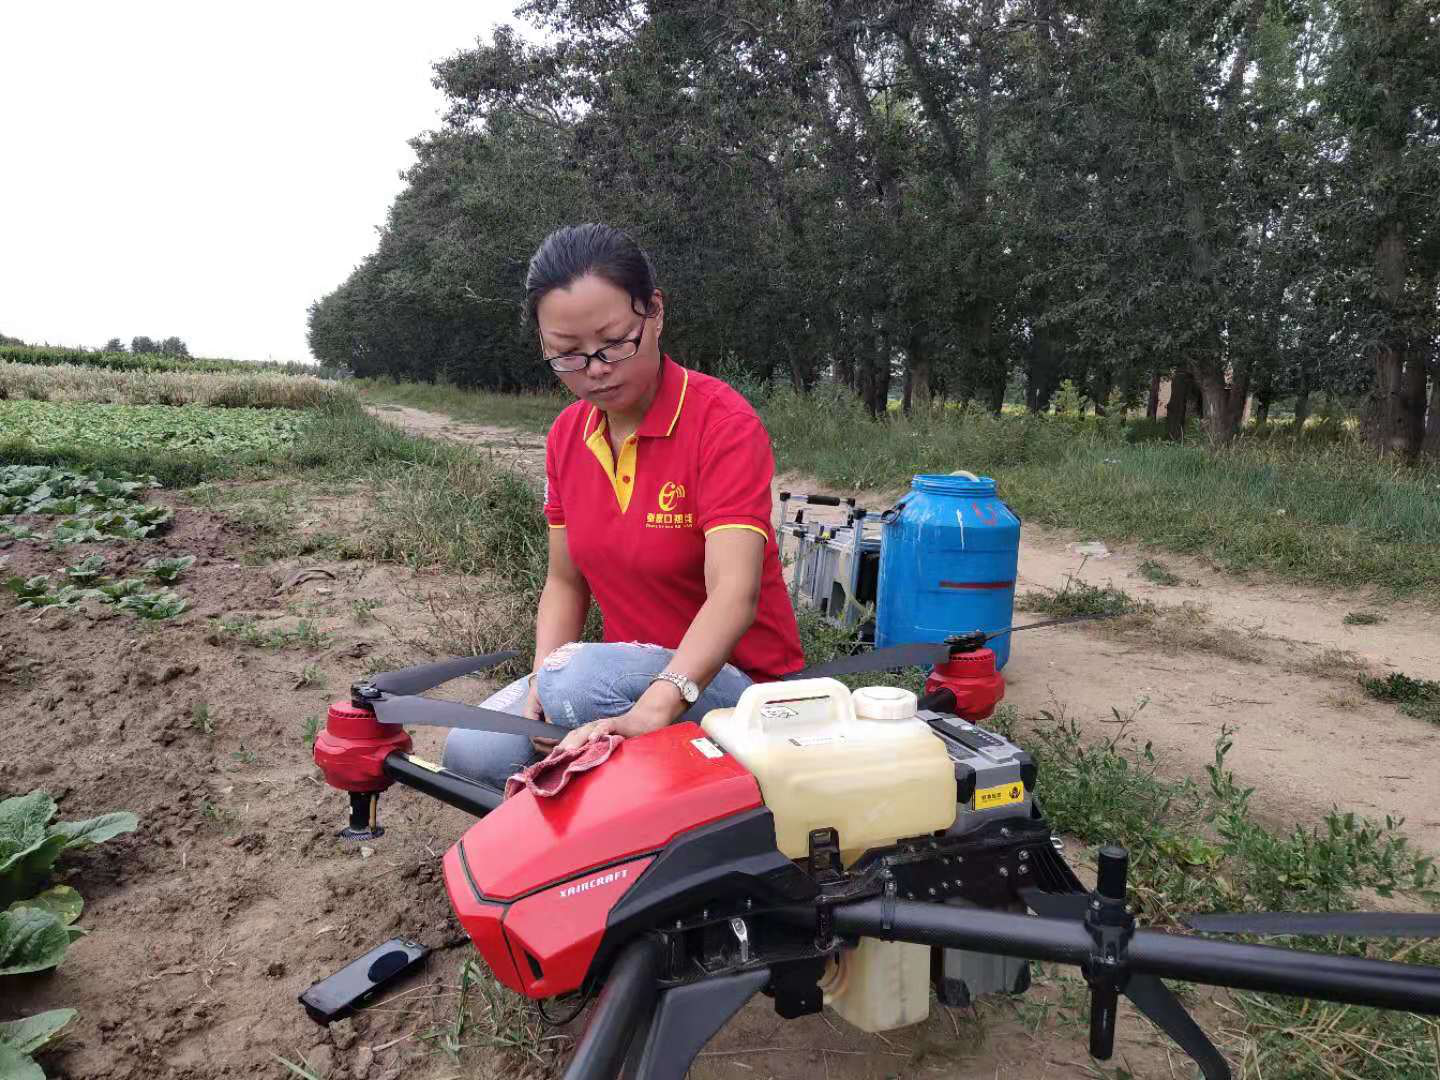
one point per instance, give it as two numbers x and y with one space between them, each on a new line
416 680
1368 924
915 654
1153 998
409 711
1050 622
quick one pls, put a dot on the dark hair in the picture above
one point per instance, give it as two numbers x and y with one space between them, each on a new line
568 254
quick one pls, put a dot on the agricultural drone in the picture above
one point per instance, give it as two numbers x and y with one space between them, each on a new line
662 886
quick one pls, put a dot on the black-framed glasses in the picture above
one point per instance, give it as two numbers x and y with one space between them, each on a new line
623 349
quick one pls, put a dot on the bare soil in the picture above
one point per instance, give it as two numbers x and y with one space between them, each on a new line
235 895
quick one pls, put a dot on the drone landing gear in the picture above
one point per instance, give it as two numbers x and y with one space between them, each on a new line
1111 926
686 1018
364 817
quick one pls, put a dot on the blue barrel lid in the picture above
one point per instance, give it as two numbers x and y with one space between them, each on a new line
953 484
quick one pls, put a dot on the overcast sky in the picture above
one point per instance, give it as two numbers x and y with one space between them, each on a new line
201 169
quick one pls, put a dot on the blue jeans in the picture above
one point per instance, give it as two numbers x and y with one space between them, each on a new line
577 684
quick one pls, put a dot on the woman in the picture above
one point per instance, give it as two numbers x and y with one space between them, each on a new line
657 492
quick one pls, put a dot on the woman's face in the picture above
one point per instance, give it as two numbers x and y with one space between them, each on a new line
590 315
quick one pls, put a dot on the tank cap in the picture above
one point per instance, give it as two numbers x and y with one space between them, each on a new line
884 703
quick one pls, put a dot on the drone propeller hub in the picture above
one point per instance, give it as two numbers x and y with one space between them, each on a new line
352 749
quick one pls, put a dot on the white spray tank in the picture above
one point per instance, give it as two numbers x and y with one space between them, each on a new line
867 766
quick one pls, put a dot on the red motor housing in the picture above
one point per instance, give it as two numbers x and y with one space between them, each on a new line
352 749
972 678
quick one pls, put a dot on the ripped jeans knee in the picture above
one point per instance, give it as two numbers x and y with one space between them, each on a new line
578 683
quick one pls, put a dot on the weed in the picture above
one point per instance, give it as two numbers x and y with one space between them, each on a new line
245 756
1362 618
381 662
202 719
1198 847
310 676
488 1015
1157 573
310 729
301 1069
362 609
1415 697
220 816
303 634
1077 597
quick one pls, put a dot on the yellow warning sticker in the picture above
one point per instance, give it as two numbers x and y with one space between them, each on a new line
987 798
425 764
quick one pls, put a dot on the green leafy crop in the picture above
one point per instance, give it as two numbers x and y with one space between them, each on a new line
21 1038
169 570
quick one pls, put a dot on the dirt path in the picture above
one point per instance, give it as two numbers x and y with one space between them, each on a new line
1272 660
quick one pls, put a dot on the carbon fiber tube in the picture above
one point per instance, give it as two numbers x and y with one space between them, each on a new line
1349 979
442 784
629 996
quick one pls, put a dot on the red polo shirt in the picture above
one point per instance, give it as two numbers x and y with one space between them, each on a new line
699 462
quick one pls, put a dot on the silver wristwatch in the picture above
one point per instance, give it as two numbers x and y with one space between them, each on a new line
688 690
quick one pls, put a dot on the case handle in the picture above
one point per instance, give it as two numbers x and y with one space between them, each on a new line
759 695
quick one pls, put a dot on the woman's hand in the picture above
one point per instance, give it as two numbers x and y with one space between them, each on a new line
587 733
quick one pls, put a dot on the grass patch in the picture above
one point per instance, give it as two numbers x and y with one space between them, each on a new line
1419 698
529 412
1321 510
202 719
304 634
1197 846
1157 573
1362 618
1077 597
1315 507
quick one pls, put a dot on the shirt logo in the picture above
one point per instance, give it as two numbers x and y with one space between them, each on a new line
667 517
670 494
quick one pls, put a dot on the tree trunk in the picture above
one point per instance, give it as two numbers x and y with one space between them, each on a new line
1432 423
917 376
1413 404
1152 405
1224 403
1179 401
1302 403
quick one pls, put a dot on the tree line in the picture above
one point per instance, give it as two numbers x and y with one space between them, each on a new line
946 199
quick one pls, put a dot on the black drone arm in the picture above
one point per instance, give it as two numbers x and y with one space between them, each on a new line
1350 979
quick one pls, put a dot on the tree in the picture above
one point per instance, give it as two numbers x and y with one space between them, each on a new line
929 195
173 346
140 345
114 345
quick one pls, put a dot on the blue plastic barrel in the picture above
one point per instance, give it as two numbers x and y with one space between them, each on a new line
948 557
